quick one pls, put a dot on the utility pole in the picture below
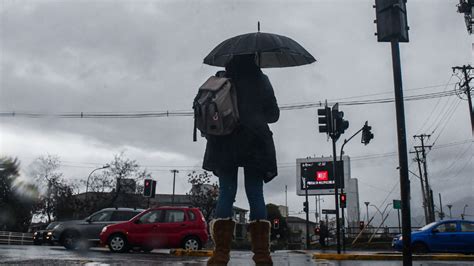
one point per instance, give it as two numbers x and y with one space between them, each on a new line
466 88
429 194
441 213
423 190
286 199
174 171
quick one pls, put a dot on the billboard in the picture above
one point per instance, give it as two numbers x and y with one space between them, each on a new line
318 172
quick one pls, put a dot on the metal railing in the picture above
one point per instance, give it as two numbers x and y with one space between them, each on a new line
369 234
15 238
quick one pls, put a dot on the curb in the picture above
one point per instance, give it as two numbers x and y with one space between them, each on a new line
191 253
375 256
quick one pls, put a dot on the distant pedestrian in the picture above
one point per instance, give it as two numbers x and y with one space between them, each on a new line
250 146
323 233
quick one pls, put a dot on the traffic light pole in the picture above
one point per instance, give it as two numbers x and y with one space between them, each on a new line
343 231
342 191
336 194
402 155
307 212
331 122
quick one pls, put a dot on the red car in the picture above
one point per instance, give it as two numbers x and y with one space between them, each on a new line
163 227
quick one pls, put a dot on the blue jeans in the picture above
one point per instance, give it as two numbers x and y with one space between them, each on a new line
253 189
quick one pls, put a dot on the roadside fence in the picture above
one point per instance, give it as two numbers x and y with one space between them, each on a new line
15 238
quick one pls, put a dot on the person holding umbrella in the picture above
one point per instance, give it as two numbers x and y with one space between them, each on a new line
251 145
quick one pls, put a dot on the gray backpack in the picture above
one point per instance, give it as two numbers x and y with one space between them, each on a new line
215 108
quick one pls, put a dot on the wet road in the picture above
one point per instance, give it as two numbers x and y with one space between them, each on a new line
47 255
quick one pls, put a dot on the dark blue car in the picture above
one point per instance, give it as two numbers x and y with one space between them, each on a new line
442 236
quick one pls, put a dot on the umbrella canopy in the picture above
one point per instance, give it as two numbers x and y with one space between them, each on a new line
270 50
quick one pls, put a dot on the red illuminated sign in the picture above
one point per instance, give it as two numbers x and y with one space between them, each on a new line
322 176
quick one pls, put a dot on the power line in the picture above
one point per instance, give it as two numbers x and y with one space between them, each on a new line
443 112
447 120
435 106
280 165
462 168
391 91
178 113
440 146
457 159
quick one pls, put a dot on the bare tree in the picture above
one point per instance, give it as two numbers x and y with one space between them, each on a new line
203 194
45 171
112 186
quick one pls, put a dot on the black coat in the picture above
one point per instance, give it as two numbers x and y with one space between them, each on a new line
251 145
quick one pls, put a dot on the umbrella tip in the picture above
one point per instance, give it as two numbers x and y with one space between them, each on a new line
258 26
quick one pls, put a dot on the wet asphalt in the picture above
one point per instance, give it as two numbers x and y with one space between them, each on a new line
55 255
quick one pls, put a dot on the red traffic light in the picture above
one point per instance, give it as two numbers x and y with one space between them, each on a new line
276 223
148 190
317 230
342 199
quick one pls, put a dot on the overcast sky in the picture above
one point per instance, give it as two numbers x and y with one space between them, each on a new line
125 56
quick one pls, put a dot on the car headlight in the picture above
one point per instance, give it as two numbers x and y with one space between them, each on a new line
400 238
104 229
36 233
49 233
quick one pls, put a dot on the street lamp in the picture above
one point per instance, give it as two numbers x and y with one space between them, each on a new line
87 183
450 206
464 211
367 209
174 171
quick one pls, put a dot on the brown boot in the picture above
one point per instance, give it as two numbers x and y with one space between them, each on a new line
260 240
222 232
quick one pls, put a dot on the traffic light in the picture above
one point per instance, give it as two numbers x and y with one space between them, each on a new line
325 120
305 206
153 188
367 135
361 225
391 20
276 223
148 188
342 200
317 230
339 124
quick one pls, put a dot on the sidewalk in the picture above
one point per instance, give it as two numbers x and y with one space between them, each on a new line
361 255
347 255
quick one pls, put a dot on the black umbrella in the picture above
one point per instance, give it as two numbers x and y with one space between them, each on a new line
270 50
